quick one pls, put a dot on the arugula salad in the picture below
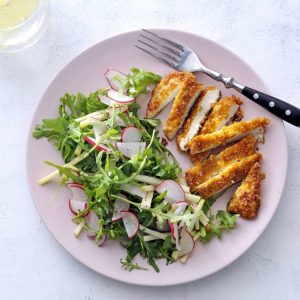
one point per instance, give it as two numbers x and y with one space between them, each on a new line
125 183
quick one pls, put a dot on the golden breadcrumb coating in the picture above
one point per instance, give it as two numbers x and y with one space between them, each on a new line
246 199
165 92
234 173
198 158
222 113
225 111
197 116
227 134
185 99
217 163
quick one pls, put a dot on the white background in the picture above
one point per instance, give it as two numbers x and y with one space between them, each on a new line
264 33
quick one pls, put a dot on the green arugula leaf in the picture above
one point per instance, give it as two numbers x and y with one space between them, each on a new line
137 81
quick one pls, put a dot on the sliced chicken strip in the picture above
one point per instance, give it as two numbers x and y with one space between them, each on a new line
228 134
188 94
197 116
217 163
246 199
233 174
165 92
222 113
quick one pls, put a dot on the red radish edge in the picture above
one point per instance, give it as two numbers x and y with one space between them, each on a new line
175 234
172 230
115 96
100 147
132 216
75 184
76 212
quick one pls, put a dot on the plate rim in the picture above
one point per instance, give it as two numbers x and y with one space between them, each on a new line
32 124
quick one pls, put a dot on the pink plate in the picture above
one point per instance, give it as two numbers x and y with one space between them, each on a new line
85 73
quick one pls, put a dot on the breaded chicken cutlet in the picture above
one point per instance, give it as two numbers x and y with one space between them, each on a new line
197 116
246 199
165 92
215 164
226 110
228 134
234 173
185 99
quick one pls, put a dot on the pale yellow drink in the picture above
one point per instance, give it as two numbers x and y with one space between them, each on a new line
13 13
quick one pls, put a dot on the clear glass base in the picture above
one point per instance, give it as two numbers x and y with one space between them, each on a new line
17 39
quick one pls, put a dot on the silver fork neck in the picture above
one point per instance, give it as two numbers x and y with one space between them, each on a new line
228 82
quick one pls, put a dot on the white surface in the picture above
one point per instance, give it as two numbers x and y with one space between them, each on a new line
32 264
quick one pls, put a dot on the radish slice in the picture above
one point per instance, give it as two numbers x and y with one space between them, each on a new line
131 134
110 75
131 223
100 147
120 98
164 227
76 206
92 222
133 190
78 192
175 192
100 242
175 234
186 244
118 207
131 149
181 206
106 100
75 184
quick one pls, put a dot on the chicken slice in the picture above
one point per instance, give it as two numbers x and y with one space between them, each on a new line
165 92
185 99
233 174
197 116
217 163
246 199
228 134
224 112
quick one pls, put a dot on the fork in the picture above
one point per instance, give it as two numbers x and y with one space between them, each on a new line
182 58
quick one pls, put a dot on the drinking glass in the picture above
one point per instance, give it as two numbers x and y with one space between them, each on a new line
22 23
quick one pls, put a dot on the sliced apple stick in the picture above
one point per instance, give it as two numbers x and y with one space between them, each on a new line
79 228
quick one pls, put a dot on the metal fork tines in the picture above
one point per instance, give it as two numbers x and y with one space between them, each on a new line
182 58
161 48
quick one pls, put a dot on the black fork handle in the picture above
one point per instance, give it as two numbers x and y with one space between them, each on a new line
279 108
